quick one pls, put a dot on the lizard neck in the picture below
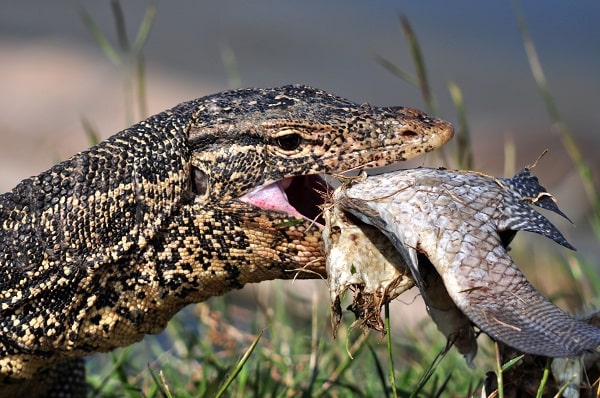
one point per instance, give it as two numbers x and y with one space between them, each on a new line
196 256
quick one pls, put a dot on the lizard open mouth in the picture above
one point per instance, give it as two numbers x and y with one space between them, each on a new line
298 196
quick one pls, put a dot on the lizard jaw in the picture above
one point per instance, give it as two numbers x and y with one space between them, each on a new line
297 196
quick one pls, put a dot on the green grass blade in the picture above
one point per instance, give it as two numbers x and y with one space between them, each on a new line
144 29
107 48
441 391
116 373
510 157
417 56
160 383
90 131
388 338
379 369
590 275
426 376
346 364
511 363
234 76
545 377
117 11
499 370
314 346
464 152
140 78
238 367
396 70
138 46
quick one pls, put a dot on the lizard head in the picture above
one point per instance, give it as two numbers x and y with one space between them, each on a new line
266 147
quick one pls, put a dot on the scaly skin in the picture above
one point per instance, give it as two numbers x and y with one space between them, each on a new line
108 245
463 222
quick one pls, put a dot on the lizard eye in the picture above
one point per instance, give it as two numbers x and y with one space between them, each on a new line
289 142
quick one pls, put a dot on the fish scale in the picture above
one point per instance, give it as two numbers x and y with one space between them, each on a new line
480 215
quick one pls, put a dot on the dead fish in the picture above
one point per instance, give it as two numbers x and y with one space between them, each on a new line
462 222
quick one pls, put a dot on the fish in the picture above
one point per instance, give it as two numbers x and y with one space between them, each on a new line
452 229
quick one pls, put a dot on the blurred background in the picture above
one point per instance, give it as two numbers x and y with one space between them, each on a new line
53 74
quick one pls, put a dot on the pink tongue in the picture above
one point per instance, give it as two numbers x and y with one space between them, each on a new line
272 197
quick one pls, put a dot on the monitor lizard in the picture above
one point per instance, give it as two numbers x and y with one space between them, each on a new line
108 245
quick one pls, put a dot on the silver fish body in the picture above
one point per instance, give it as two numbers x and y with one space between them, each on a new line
462 222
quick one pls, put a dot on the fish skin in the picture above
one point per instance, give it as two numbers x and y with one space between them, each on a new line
462 222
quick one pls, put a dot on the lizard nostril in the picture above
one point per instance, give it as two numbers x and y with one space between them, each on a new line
408 133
